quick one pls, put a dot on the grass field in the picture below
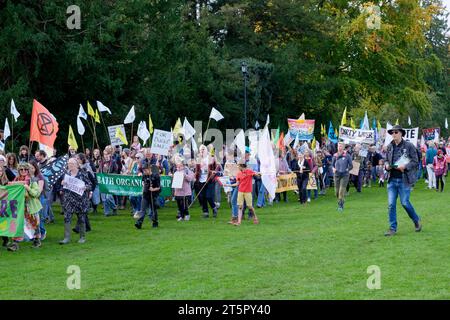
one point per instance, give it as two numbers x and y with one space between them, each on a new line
297 252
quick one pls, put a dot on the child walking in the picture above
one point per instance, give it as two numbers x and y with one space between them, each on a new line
381 173
150 193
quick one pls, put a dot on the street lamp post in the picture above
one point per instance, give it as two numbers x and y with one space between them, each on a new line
245 75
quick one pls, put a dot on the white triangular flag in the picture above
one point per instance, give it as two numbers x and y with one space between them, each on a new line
287 139
268 120
188 130
302 117
257 125
239 141
81 113
365 125
446 123
6 131
102 108
422 141
409 120
80 127
267 161
143 132
130 116
216 115
14 111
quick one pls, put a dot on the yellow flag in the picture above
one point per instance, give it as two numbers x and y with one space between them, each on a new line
178 127
336 134
97 116
71 139
90 110
120 135
378 125
396 122
352 124
344 117
150 124
313 144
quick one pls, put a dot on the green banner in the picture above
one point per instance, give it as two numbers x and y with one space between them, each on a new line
12 208
121 185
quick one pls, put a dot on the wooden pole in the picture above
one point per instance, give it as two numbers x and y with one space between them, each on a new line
131 138
12 135
104 126
82 144
207 127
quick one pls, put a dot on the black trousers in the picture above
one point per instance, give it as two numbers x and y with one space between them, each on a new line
439 178
183 203
302 182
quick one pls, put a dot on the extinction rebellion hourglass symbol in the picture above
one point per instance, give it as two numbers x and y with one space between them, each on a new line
45 124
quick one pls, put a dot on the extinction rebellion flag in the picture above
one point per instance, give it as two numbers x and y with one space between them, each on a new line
12 210
43 127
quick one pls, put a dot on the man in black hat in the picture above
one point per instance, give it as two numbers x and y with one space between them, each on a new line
401 163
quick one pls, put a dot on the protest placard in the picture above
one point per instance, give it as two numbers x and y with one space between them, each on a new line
177 181
112 134
73 184
162 141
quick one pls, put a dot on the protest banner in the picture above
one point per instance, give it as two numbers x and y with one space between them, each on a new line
162 141
54 170
73 184
412 135
286 182
303 128
112 134
429 133
349 135
12 210
312 183
128 185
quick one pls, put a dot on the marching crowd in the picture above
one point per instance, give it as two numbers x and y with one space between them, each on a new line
316 170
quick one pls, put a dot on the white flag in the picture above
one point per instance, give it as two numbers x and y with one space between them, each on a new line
257 125
388 138
446 123
296 142
268 120
6 131
188 130
102 108
194 146
302 117
287 139
130 116
81 113
239 141
422 141
365 125
409 120
80 126
436 136
216 115
14 111
143 132
267 163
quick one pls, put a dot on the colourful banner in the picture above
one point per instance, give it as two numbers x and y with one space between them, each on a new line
429 133
12 210
286 182
303 128
121 185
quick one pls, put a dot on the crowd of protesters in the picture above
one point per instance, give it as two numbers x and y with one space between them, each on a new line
316 169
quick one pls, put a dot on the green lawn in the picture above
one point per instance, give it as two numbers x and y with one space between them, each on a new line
297 252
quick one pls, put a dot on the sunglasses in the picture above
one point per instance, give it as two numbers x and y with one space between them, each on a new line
23 169
395 132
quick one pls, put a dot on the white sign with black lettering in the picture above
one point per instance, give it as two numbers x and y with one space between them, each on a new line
75 185
412 135
162 141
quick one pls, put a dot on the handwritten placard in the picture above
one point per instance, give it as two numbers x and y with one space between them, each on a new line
162 141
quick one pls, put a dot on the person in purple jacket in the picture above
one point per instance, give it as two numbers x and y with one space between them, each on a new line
183 194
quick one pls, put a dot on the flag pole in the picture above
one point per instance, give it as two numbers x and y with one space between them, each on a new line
207 127
12 135
82 144
104 126
131 138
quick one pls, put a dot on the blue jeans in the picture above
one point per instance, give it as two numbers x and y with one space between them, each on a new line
96 196
309 193
261 196
234 205
396 188
419 172
136 203
43 214
109 204
374 174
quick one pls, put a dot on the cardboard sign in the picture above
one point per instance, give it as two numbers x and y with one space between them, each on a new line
162 141
73 184
355 170
177 181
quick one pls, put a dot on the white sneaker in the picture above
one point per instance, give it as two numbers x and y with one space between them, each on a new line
309 199
187 218
217 205
180 219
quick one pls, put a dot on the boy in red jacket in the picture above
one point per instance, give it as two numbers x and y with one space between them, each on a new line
244 182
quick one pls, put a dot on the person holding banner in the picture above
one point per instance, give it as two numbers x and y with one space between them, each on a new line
342 164
74 202
401 163
32 208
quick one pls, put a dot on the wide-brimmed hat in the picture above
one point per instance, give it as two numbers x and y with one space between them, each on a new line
397 128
